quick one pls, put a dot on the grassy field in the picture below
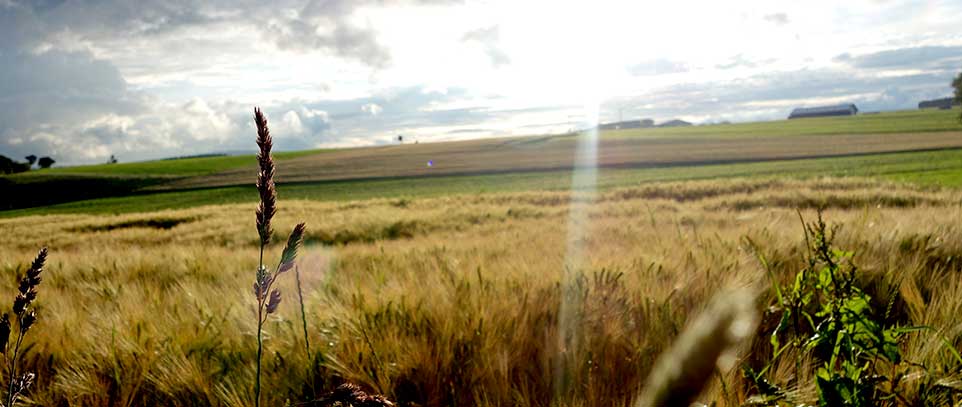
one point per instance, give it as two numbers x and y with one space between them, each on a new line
933 168
488 281
172 168
53 186
455 300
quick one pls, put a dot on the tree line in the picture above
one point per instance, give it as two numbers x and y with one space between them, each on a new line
9 166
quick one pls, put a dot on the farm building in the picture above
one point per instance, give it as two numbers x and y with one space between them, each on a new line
944 103
824 111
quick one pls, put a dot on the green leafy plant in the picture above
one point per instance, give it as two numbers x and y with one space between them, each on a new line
826 318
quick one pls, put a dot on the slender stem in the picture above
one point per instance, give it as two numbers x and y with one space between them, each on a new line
13 369
307 343
261 261
300 297
260 325
257 383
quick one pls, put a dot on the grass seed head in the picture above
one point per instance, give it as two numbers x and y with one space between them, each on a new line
265 178
274 301
28 319
290 251
28 284
263 282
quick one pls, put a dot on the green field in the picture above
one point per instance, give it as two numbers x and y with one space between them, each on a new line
923 147
934 168
180 167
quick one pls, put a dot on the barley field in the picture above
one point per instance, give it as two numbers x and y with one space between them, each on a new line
455 299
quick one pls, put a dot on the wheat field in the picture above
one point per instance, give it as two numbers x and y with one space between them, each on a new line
455 300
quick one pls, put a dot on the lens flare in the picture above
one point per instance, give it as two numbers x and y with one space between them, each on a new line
583 193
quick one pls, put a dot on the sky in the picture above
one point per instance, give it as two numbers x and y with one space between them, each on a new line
83 80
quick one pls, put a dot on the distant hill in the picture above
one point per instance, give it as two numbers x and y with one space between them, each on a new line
185 157
674 123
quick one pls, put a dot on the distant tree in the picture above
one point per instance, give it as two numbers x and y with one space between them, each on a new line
957 85
31 159
112 160
400 139
45 162
8 166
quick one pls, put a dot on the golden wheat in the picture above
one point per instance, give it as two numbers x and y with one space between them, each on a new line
453 300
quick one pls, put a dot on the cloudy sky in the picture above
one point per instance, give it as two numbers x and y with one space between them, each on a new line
81 80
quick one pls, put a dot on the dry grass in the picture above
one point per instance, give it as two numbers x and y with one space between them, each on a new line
455 300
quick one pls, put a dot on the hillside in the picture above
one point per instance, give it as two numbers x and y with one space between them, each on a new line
538 161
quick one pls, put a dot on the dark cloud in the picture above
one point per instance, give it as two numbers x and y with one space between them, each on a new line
777 18
95 19
906 58
312 26
489 38
657 67
326 25
50 95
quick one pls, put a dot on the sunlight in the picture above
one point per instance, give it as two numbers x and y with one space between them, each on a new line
583 191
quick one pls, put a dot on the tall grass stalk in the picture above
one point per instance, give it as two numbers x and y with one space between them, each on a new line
268 298
26 317
300 299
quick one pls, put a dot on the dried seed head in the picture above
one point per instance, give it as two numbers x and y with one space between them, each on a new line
290 251
20 304
274 301
33 275
28 319
265 178
28 284
682 372
263 282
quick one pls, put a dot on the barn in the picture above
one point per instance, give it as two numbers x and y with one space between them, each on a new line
824 111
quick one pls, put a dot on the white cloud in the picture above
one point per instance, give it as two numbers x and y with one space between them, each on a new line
372 108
